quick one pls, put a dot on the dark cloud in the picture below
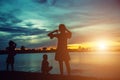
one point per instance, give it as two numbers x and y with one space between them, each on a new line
41 1
29 24
50 2
21 30
8 19
12 30
38 31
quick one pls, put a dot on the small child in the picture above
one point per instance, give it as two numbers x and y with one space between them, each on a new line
45 65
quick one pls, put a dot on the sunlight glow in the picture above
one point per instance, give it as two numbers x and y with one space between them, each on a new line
73 46
102 45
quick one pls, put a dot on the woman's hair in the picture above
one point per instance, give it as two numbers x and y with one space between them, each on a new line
62 27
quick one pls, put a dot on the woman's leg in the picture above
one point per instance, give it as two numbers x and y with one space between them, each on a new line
68 67
12 67
7 66
61 67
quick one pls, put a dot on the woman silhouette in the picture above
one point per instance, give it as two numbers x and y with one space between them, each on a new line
62 55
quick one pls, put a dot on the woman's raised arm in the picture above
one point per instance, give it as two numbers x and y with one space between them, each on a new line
53 34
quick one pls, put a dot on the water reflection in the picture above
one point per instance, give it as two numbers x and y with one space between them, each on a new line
87 64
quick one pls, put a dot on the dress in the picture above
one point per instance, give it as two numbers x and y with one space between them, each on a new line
62 53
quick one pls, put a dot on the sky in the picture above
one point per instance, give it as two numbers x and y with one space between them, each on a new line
27 22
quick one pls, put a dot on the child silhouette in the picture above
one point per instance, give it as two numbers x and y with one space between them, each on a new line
45 65
11 53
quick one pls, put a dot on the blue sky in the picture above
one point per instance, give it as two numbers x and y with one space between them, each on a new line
27 22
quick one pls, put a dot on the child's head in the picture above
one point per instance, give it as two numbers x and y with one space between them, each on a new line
45 57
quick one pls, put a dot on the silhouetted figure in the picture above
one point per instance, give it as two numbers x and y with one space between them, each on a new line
11 53
22 48
45 65
62 54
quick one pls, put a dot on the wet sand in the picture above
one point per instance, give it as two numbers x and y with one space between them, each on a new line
18 75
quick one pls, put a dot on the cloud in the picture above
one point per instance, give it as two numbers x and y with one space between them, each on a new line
31 20
41 1
50 2
21 30
8 19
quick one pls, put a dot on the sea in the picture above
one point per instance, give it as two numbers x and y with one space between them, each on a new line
89 64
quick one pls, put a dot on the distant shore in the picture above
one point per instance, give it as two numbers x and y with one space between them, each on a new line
37 51
17 75
45 51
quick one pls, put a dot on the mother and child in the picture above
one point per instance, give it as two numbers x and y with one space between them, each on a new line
62 54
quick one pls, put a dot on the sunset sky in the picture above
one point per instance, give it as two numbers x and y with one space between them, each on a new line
27 22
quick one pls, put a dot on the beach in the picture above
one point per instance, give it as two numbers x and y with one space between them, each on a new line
83 66
18 75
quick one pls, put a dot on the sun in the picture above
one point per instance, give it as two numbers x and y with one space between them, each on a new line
102 45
